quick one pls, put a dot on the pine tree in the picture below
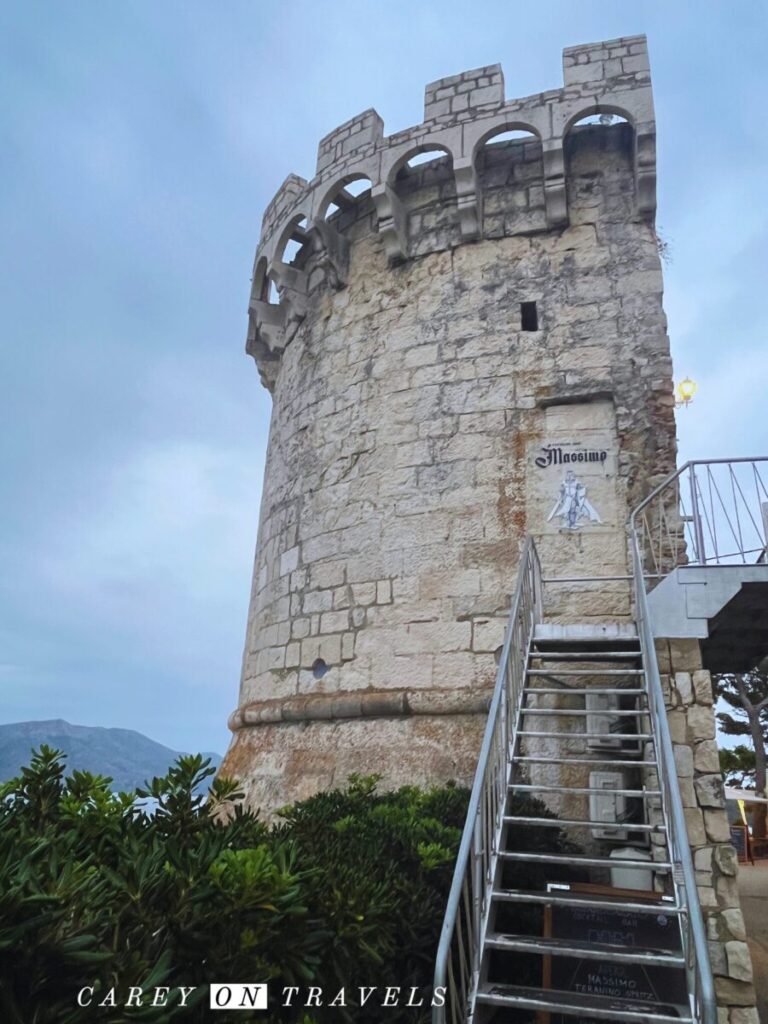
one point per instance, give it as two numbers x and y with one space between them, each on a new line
747 697
738 766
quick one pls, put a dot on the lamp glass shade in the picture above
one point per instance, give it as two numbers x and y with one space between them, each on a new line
685 390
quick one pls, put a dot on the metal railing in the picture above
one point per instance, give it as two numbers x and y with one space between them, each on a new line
701 987
712 512
458 956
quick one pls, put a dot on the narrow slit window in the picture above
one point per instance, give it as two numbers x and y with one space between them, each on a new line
529 317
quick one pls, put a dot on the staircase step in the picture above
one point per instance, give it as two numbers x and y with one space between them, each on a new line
562 898
581 712
587 862
626 763
586 672
585 632
629 826
584 950
527 787
587 735
585 655
571 1004
581 691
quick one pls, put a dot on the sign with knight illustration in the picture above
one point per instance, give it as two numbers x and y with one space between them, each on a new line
572 506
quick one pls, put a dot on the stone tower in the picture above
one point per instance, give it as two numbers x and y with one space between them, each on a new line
471 348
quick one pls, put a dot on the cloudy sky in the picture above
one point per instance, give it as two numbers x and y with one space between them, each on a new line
140 144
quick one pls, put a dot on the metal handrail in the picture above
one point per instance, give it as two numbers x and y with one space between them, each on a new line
701 987
457 967
708 512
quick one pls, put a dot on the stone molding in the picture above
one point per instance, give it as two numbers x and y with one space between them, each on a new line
361 704
461 113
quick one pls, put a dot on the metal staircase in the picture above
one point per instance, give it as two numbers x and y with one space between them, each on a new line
574 895
562 677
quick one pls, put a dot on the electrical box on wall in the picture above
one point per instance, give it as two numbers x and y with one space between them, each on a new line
608 806
603 726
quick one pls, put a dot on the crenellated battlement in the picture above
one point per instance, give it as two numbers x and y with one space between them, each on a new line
465 94
461 113
355 139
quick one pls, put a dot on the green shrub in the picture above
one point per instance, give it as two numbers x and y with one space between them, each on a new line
348 889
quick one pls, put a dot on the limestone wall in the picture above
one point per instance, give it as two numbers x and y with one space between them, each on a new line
418 433
689 700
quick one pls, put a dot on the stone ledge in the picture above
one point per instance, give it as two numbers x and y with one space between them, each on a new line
361 704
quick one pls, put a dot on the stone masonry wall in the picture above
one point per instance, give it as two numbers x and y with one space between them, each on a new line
689 700
409 411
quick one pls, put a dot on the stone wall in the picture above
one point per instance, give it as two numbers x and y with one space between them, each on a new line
412 415
689 699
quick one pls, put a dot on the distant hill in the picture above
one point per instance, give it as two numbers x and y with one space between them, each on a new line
127 757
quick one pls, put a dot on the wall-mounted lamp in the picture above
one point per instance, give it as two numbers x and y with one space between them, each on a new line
685 391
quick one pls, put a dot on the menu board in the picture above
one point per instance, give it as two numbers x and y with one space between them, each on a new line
585 978
740 841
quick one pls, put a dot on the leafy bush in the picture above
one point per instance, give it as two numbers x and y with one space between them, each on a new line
348 889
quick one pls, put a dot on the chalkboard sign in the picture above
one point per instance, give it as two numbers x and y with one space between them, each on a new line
639 982
740 841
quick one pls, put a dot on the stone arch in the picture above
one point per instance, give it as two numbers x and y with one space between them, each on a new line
339 186
427 146
594 109
500 128
261 281
509 179
584 132
295 230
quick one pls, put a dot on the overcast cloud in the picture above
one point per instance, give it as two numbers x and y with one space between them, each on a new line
140 144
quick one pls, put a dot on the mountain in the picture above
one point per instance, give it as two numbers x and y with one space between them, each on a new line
127 757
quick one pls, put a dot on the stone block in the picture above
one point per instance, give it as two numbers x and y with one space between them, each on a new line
631 65
718 959
289 561
334 622
702 686
683 655
270 658
707 896
701 722
727 891
347 646
327 648
694 823
726 860
317 601
739 961
702 859
678 726
705 757
743 1015
732 921
325 575
709 791
488 634
683 760
299 628
684 687
687 792
293 655
717 828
